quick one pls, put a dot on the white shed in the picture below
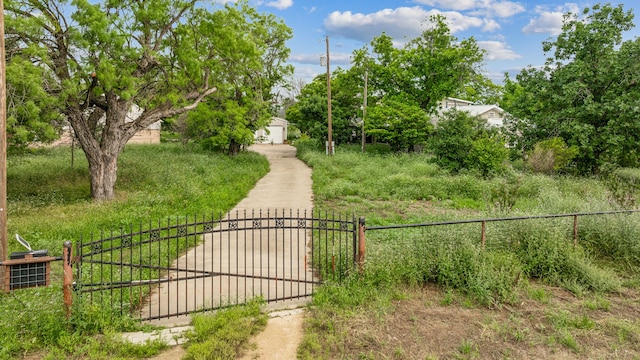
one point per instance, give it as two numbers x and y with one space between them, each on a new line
274 133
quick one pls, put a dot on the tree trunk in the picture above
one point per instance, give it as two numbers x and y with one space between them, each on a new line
103 174
102 149
234 148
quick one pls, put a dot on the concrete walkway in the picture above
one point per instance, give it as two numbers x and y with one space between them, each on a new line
287 187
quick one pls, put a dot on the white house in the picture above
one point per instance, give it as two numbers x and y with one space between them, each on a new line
274 133
493 114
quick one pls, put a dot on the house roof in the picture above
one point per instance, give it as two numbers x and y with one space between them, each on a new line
456 100
477 110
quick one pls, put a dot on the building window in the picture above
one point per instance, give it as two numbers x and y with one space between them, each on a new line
492 114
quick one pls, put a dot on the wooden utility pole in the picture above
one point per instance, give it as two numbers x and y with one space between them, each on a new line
364 108
330 143
3 147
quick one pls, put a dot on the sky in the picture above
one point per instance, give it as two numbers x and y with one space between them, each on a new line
511 32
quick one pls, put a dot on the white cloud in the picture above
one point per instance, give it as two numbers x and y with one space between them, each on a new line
336 58
308 73
490 25
549 21
498 50
485 7
402 24
280 4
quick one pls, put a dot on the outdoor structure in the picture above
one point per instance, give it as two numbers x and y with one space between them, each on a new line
150 135
274 133
493 114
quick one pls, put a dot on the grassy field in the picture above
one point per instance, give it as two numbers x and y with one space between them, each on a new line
427 293
436 293
48 202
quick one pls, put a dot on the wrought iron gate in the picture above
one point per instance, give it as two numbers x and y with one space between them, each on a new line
196 264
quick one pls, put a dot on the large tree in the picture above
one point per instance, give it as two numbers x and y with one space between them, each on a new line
587 93
106 57
309 113
253 67
421 73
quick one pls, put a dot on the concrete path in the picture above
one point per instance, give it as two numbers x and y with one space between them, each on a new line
287 187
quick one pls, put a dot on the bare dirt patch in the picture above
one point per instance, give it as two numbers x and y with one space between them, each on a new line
428 323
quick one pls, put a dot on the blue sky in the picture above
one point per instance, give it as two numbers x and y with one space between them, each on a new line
511 31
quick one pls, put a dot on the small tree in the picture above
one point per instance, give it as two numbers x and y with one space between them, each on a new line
452 140
462 141
403 125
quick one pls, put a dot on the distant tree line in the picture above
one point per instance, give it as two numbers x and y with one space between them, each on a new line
579 112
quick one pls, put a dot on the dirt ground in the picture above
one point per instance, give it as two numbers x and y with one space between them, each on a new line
430 324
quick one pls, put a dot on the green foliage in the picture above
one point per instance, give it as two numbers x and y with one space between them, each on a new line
427 69
398 123
505 194
253 65
614 237
224 128
225 334
453 139
111 57
32 114
461 142
310 112
488 155
551 155
585 93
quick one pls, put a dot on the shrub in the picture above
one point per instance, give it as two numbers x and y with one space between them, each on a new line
549 156
453 139
487 155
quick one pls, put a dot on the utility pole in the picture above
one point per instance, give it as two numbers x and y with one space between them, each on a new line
330 146
364 108
3 147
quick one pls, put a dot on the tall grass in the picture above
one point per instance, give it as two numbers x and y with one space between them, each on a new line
413 189
49 202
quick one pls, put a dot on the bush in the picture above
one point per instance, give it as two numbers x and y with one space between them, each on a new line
453 139
550 156
488 155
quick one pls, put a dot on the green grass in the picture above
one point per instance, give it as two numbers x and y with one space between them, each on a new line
390 189
49 202
225 334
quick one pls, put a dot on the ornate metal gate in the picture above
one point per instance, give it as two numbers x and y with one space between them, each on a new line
197 264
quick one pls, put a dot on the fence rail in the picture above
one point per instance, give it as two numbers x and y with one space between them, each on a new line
483 222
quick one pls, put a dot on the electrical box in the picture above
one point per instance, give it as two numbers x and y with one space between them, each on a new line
27 269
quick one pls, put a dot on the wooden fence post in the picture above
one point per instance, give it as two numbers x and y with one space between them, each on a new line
484 236
575 230
67 277
361 244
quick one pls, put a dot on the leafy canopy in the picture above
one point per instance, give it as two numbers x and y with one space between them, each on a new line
586 94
